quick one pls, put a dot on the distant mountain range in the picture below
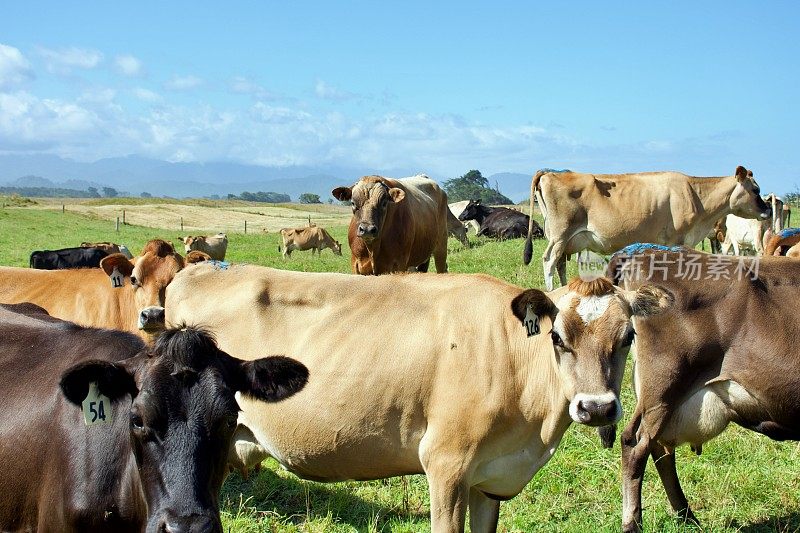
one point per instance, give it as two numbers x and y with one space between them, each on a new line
136 174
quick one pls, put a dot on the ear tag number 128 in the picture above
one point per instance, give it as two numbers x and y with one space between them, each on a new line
96 407
117 279
531 322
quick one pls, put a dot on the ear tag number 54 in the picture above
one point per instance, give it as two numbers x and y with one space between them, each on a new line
96 407
531 322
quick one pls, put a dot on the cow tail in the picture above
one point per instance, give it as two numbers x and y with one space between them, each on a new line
528 253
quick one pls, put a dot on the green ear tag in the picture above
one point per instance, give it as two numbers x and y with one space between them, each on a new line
531 322
96 407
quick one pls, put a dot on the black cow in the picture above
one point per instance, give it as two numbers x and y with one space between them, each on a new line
499 222
67 258
157 463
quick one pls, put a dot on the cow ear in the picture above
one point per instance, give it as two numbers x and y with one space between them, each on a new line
196 256
539 302
649 300
343 194
741 173
116 261
272 378
398 195
113 380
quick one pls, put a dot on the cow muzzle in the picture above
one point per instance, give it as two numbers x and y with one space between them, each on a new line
152 318
595 409
367 231
766 213
194 523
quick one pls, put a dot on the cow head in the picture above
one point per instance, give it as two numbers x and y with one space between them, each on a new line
591 334
472 211
181 418
746 198
188 241
337 248
372 198
149 276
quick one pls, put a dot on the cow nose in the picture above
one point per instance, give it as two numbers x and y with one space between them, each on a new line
367 230
767 214
151 318
597 413
198 523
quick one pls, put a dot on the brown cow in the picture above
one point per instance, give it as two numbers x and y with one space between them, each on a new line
129 301
107 247
215 245
781 243
697 369
311 237
396 224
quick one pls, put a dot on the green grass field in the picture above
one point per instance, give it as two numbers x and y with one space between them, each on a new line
742 482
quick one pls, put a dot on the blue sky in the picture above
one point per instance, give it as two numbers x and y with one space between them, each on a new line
437 87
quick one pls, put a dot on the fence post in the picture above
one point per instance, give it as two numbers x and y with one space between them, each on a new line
123 217
117 225
62 209
245 227
181 224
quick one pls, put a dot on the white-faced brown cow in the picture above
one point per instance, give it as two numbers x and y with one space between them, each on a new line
698 369
314 238
606 212
215 245
120 295
396 224
404 382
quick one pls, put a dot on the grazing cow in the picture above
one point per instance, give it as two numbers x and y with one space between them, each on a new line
108 247
215 246
457 208
404 384
129 301
396 224
696 370
781 243
455 228
136 439
67 258
500 222
606 212
312 237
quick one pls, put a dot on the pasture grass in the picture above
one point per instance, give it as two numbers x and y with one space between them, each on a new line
741 482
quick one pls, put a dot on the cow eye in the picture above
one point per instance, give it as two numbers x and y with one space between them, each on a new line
134 281
557 340
136 422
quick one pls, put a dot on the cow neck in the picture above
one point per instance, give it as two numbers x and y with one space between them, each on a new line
715 196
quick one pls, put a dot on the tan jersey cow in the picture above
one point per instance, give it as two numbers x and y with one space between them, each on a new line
402 380
314 238
119 295
215 245
396 224
606 212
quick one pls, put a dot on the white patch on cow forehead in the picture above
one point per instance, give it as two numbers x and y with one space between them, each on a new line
593 307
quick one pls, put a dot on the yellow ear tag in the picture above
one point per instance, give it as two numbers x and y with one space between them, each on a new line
531 322
117 279
96 407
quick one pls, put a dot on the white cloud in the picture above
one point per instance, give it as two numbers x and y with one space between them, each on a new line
64 60
242 85
14 68
128 65
183 83
146 95
329 92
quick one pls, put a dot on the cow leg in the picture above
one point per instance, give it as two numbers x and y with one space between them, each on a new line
634 461
552 253
562 271
449 499
484 512
667 471
424 266
440 256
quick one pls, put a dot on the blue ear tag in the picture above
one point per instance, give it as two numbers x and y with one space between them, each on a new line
531 322
96 407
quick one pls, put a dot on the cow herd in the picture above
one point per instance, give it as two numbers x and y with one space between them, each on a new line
158 374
